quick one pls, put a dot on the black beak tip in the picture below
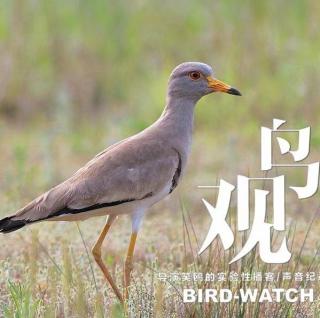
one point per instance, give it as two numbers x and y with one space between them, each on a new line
233 91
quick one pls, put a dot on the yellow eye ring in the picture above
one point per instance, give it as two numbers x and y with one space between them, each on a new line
194 75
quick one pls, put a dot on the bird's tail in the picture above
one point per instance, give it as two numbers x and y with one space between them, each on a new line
8 225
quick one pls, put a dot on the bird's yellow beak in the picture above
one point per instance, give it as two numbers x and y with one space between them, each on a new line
218 86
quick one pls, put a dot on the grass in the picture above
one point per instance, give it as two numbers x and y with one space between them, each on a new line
55 279
77 76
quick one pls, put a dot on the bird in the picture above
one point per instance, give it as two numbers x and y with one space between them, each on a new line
129 176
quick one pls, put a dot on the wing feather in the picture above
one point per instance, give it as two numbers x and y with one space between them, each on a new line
129 170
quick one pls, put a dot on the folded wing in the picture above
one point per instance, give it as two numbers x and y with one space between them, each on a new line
130 170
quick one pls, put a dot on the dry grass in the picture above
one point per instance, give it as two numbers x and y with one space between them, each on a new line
48 272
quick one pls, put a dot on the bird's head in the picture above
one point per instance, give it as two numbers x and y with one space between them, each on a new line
194 80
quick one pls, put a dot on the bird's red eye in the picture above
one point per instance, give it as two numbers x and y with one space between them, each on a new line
194 75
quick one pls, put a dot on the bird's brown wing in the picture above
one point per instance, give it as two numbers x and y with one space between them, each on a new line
131 170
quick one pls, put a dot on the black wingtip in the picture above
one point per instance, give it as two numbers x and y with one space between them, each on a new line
8 225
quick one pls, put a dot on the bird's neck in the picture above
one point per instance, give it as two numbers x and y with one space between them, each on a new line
176 120
179 111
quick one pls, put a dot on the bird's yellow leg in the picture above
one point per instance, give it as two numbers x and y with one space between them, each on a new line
128 263
96 251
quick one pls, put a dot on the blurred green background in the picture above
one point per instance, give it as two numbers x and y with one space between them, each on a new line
76 76
91 59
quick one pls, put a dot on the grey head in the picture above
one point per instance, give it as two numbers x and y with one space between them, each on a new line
192 80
